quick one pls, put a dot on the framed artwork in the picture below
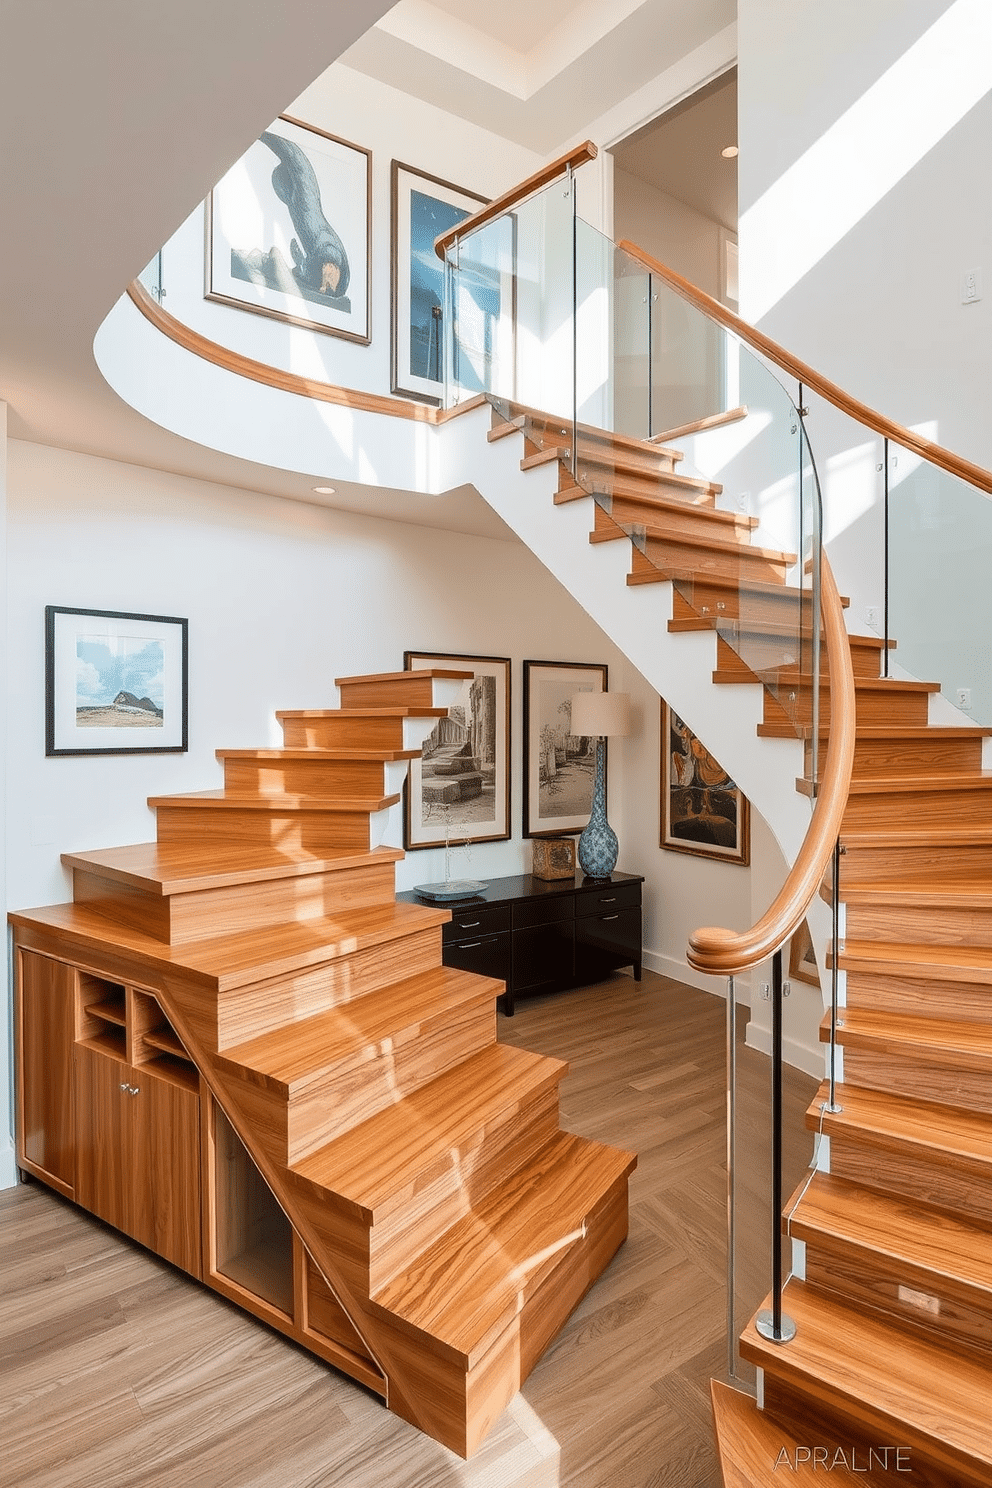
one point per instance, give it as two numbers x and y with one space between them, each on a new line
702 810
459 790
115 683
423 207
288 231
559 768
802 958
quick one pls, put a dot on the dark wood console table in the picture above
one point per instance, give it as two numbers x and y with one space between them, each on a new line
543 935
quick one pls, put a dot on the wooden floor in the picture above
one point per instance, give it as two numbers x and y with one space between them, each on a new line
120 1373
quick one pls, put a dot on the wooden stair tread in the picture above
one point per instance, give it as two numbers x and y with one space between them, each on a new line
660 504
522 415
291 1056
955 963
966 894
236 960
221 800
382 1161
907 1034
387 756
835 1209
384 712
934 1397
698 485
947 1131
915 836
715 544
750 1446
464 1289
417 676
898 733
167 868
972 780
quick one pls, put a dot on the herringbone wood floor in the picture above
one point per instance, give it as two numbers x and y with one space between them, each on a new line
119 1373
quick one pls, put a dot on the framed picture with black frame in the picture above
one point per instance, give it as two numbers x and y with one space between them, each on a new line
458 792
559 768
115 682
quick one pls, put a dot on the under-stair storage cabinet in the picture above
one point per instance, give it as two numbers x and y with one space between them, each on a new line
45 1022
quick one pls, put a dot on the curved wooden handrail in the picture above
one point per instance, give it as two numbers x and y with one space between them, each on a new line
571 160
976 475
287 382
726 952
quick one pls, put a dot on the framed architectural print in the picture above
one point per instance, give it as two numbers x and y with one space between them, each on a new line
423 207
288 231
559 768
702 810
459 790
115 683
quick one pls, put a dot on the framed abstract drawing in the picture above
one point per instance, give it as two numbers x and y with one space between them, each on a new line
702 810
288 231
115 683
459 790
559 768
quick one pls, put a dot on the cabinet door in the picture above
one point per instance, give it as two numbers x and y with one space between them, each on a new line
45 1029
102 1120
164 1165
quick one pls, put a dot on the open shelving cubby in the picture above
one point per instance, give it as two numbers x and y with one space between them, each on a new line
253 1237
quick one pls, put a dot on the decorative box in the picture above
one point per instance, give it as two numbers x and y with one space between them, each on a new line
554 857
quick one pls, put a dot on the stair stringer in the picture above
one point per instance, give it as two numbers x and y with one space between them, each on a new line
678 666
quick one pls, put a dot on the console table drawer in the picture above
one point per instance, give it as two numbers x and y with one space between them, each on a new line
543 911
487 955
607 899
478 919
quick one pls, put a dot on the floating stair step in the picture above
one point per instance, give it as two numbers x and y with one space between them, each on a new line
928 962
180 892
879 703
901 1386
964 799
685 492
698 555
340 728
955 914
435 687
937 1154
922 750
480 1277
756 651
318 772
917 854
936 1058
315 823
323 1074
754 1449
663 510
897 1256
544 430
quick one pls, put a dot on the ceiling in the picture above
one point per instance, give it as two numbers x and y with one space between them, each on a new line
680 152
117 118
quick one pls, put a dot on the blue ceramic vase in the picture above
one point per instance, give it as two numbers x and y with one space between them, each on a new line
598 845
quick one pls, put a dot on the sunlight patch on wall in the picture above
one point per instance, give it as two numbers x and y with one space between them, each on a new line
851 485
865 153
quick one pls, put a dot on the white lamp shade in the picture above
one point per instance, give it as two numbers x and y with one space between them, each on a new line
600 714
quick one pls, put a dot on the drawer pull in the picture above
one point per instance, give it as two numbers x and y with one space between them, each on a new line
470 945
611 900
610 917
468 924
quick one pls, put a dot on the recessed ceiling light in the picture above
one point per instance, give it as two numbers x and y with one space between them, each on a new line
324 490
729 153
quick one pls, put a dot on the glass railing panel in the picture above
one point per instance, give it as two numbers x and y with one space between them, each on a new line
939 593
152 276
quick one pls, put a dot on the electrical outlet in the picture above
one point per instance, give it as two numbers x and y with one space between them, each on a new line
963 698
743 500
872 617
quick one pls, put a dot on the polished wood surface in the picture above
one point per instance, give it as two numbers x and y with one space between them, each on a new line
95 1328
563 165
878 423
44 1033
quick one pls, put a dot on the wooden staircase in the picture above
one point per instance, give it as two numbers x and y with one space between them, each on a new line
894 1306
449 1226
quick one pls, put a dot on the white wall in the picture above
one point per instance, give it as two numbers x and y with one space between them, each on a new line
864 134
281 598
678 235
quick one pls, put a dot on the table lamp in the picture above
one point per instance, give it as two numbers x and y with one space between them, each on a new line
602 716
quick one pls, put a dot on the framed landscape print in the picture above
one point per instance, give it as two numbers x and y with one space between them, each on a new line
702 810
459 790
423 207
115 683
288 231
559 768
